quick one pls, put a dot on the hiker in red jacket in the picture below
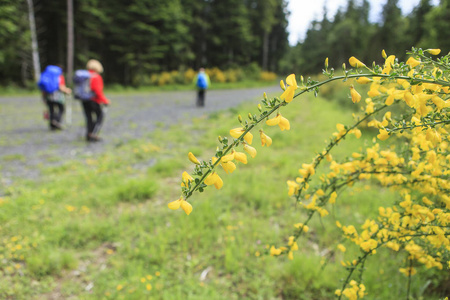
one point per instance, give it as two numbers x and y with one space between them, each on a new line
93 109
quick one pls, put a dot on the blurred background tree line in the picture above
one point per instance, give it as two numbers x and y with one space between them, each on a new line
350 33
137 38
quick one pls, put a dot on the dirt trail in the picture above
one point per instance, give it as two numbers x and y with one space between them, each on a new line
26 143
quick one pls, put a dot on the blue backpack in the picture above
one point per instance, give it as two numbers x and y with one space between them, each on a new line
202 82
82 85
49 80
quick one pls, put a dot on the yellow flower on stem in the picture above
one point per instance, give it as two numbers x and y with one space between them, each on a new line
412 62
356 63
284 124
356 97
434 51
193 159
175 204
237 132
383 135
229 167
265 139
363 80
250 150
214 179
289 92
186 178
383 54
240 157
388 64
274 121
186 206
227 158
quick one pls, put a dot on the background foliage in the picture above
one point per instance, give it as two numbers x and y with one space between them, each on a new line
136 39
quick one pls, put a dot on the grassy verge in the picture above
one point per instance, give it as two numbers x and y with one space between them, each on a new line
101 229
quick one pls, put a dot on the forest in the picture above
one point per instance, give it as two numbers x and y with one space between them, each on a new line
137 38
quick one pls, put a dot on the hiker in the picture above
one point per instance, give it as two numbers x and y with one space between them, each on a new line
53 87
94 108
202 83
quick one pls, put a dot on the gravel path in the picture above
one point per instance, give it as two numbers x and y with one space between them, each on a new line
26 142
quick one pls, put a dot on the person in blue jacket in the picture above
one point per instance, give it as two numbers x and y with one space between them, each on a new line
202 83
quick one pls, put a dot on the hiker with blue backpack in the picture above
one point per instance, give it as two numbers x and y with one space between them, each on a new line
53 87
202 83
88 89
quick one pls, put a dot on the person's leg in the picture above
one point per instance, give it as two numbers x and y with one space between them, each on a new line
201 98
59 115
99 118
51 114
87 108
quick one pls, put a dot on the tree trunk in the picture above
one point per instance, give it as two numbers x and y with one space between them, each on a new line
34 43
70 41
265 51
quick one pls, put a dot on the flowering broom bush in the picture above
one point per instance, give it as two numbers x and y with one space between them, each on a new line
409 104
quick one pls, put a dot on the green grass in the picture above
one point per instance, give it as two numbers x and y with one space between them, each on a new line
101 229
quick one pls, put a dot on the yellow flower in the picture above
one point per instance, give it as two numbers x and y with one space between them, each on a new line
383 54
227 158
250 150
282 86
434 51
186 178
284 124
274 251
289 92
383 135
412 62
240 157
186 206
354 62
288 95
388 64
356 97
333 197
148 286
290 80
214 179
229 167
341 247
363 80
193 159
237 132
175 204
326 63
274 121
265 139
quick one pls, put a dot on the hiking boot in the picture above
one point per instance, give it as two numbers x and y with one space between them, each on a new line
93 138
56 126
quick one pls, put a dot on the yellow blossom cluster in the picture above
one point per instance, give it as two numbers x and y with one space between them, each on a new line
228 156
408 104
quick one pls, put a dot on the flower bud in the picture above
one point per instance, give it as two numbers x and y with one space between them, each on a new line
240 119
265 96
434 51
326 63
259 107
283 87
